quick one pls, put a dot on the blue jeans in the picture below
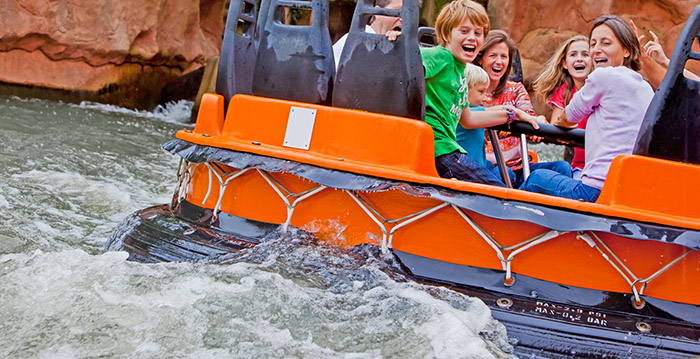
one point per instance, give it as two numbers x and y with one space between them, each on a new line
496 172
561 167
555 184
462 167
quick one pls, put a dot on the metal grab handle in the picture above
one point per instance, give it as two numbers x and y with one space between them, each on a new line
502 168
526 156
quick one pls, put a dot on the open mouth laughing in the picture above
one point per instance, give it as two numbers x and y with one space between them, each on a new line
469 49
600 61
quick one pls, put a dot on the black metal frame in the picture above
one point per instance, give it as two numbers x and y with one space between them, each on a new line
671 126
393 69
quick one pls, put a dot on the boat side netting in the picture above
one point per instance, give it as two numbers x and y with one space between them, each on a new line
553 218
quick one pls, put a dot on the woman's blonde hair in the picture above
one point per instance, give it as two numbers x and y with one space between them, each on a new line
554 74
475 75
454 13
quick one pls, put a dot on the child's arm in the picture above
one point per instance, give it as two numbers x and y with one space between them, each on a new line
483 119
558 114
561 120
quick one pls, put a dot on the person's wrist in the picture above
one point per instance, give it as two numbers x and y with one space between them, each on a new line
510 115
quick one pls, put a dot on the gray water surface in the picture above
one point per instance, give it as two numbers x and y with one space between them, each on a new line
71 173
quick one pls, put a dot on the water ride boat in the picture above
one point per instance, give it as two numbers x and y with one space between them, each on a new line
289 142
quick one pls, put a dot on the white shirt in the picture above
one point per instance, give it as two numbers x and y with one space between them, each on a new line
340 44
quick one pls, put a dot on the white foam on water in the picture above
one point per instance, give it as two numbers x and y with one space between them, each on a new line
3 202
72 304
70 208
77 187
285 298
174 112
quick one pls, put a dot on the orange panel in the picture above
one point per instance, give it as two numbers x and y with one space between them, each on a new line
401 149
386 140
210 118
333 216
653 185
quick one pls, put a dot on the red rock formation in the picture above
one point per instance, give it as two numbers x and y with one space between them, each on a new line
113 51
540 26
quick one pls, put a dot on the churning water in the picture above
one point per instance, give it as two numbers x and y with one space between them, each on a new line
71 173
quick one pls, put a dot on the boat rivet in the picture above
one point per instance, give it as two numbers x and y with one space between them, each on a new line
188 232
205 135
188 131
638 305
341 159
504 303
509 282
644 327
256 143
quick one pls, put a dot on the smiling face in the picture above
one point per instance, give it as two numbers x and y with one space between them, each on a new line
476 94
606 49
465 41
495 61
578 60
383 24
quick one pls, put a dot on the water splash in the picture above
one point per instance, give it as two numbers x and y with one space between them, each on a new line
178 112
73 173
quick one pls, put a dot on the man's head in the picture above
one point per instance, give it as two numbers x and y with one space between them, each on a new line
461 27
383 24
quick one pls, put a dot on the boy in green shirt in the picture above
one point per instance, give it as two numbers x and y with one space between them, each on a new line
461 27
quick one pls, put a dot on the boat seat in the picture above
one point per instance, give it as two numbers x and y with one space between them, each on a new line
237 58
378 75
671 126
652 185
295 62
337 136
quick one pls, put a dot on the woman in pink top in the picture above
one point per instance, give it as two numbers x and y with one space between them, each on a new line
615 97
565 73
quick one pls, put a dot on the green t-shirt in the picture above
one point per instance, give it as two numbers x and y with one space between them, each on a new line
445 96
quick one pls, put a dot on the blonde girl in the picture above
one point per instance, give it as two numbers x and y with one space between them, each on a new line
564 74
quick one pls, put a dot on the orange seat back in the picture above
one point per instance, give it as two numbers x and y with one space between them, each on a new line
370 138
652 185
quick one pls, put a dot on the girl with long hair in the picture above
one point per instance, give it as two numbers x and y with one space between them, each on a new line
564 74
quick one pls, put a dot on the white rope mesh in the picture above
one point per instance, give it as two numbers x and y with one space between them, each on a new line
388 227
621 268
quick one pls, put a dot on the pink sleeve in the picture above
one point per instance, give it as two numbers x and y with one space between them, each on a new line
588 97
522 99
558 98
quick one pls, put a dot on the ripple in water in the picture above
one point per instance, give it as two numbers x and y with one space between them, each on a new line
72 173
284 298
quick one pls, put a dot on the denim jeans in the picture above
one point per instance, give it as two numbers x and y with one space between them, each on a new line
496 172
549 182
561 167
460 166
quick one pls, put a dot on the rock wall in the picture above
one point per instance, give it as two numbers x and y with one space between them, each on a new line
540 26
120 52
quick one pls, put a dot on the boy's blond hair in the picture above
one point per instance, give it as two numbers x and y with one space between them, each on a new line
454 13
475 75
